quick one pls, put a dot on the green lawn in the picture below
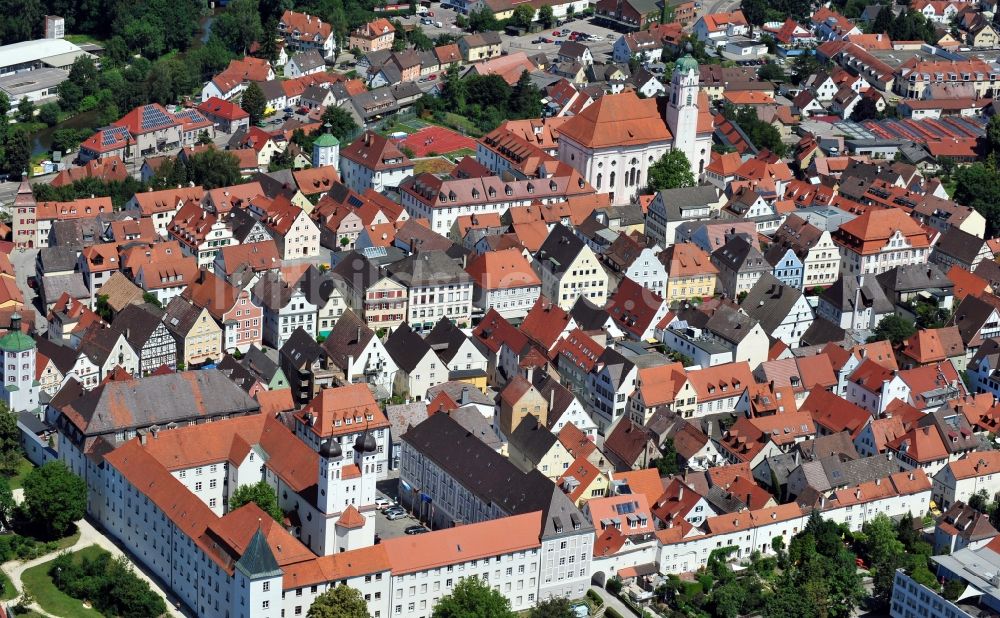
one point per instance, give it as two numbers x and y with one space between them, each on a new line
24 467
9 592
53 600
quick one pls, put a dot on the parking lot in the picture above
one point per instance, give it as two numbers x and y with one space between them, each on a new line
601 48
386 529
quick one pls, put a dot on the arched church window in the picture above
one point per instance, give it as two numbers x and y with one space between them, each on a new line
611 180
599 177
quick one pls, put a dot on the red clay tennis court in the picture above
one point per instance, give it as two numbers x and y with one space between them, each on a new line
437 139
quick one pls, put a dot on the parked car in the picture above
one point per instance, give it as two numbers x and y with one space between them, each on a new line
430 13
555 33
394 514
418 529
432 76
382 503
612 36
565 31
538 40
547 40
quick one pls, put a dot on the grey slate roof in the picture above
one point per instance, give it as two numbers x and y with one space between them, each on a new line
180 316
475 423
56 259
308 60
559 250
737 253
53 287
844 293
301 350
730 324
137 323
461 393
770 301
158 400
407 348
532 439
960 245
822 331
913 278
348 337
493 478
685 198
588 316
259 363
403 416
428 268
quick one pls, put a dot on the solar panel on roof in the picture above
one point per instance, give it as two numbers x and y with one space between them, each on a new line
152 117
374 252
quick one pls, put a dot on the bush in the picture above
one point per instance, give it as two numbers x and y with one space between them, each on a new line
23 548
614 586
612 613
595 598
110 584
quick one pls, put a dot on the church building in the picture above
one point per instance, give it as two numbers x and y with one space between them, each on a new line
615 140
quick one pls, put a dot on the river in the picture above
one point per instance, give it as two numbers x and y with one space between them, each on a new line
42 140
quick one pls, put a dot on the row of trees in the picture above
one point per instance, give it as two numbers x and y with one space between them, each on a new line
471 598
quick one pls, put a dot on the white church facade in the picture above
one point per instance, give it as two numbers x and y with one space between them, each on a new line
615 140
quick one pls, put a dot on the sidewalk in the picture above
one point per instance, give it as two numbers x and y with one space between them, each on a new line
88 536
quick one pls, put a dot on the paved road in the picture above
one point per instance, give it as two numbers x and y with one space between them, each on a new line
612 601
601 49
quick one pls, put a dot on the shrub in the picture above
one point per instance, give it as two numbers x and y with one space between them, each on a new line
110 584
595 598
612 613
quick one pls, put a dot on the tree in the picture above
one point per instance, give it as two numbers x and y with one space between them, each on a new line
483 20
979 500
239 26
4 103
253 102
54 498
880 538
672 171
49 114
993 133
771 71
7 503
523 15
213 168
262 495
893 328
865 109
149 297
555 607
525 98
269 42
546 16
978 186
883 21
953 589
667 463
16 152
339 602
10 441
341 122
25 110
472 598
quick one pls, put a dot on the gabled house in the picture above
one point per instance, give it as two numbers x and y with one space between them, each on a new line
198 336
285 308
306 365
569 269
360 355
419 368
783 311
610 382
233 309
145 331
636 309
464 358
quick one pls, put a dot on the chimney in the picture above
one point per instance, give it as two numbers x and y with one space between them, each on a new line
465 395
680 492
552 399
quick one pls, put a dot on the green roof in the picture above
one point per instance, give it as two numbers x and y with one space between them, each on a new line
326 140
16 341
258 560
687 63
